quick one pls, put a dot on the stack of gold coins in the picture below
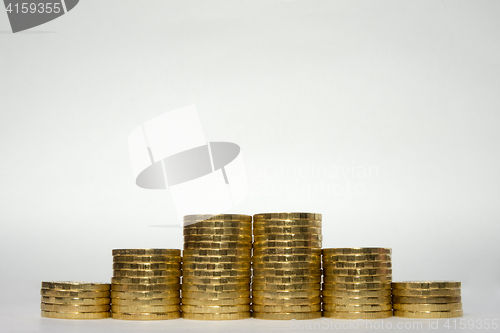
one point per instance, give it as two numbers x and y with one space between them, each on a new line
146 284
216 267
427 299
287 266
75 300
357 283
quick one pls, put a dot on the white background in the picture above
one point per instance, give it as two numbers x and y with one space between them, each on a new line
407 88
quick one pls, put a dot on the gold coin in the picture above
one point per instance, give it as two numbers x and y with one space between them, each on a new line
358 315
356 307
288 237
145 308
216 245
286 223
286 315
216 266
217 217
147 301
76 315
356 250
357 300
426 292
147 272
356 286
145 287
287 272
358 264
148 266
217 273
144 294
147 252
286 230
358 279
145 280
216 301
213 259
427 300
356 293
429 314
218 238
219 224
287 265
286 294
217 280
286 251
76 300
215 287
287 258
77 286
146 259
285 279
356 257
357 271
263 244
216 316
74 293
217 252
286 301
287 216
215 294
428 307
426 285
145 316
74 308
286 308
290 286
214 308
217 231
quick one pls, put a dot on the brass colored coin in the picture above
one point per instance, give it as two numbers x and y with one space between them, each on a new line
147 301
357 271
218 280
287 265
356 257
356 250
358 264
216 316
288 237
218 238
216 301
285 279
287 216
286 294
286 223
145 316
426 292
287 272
145 308
217 252
147 272
74 293
76 315
144 294
356 286
427 300
216 217
357 300
286 230
284 287
217 231
146 280
358 315
428 307
358 279
217 273
146 259
148 266
287 251
76 286
357 293
208 295
356 307
427 285
429 314
286 301
145 287
74 308
217 245
76 301
264 244
286 308
215 287
286 258
213 259
147 252
215 308
287 315
219 224
216 266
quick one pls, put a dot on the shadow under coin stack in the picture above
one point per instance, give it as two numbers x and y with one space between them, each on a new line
146 284
357 283
286 266
216 267
75 300
427 299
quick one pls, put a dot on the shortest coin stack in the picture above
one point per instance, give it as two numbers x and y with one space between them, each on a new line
75 300
427 299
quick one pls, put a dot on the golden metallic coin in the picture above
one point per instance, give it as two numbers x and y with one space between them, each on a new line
357 300
216 266
427 300
264 244
287 251
145 308
428 307
356 307
217 280
357 271
286 272
288 237
215 308
358 264
74 308
358 279
426 292
286 301
429 314
288 286
286 294
77 286
287 258
145 287
146 316
286 223
286 230
215 287
286 308
207 295
358 315
287 265
287 216
76 315
147 301
148 266
427 285
74 293
76 301
218 238
217 231
216 316
219 224
217 245
216 301
146 259
287 315
356 293
213 259
285 279
146 280
217 252
147 252
144 294
147 272
216 217
356 257
356 250
356 286
217 273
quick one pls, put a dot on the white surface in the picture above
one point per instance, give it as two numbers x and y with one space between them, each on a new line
382 116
